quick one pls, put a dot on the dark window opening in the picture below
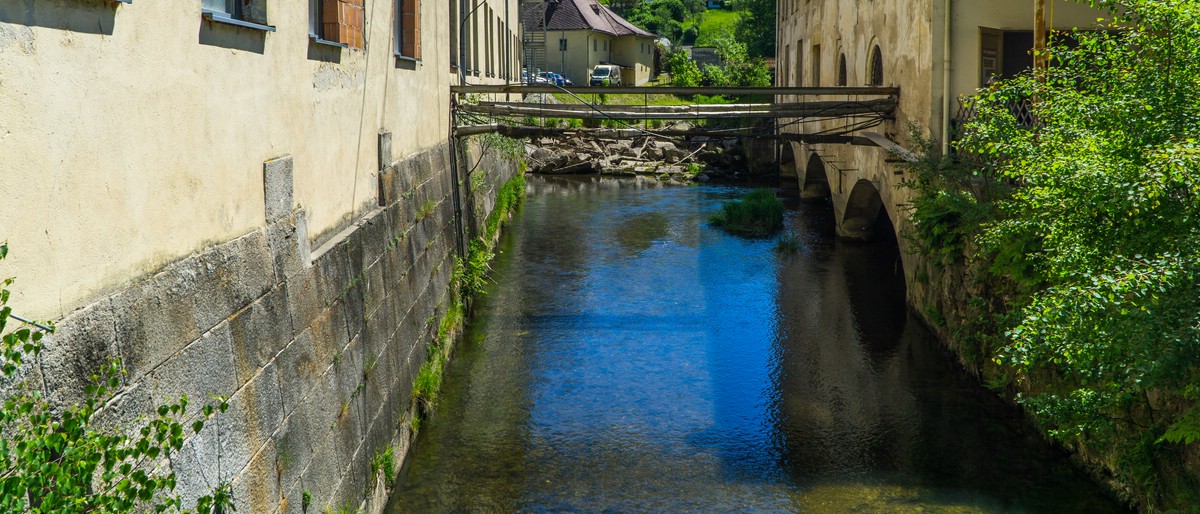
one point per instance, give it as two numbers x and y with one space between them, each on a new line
876 67
841 77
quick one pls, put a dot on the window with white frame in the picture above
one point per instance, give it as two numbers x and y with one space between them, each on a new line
245 13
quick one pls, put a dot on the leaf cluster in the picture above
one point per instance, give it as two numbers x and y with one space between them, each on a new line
58 460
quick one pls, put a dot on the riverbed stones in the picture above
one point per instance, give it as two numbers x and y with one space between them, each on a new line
646 156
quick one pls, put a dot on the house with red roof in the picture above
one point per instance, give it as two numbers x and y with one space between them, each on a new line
581 34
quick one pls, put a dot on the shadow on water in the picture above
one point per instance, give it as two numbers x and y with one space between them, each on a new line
630 358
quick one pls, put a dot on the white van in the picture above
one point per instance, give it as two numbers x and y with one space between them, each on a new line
606 75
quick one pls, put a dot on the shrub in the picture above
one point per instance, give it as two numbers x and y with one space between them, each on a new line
60 461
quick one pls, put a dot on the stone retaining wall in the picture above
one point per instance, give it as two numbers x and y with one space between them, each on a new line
316 349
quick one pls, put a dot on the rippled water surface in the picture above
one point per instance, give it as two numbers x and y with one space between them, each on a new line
629 358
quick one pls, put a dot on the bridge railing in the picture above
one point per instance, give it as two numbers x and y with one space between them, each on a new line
672 90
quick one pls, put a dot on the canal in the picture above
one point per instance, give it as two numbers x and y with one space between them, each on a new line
630 358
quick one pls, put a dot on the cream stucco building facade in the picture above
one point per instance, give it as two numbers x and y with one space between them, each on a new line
247 198
134 134
935 51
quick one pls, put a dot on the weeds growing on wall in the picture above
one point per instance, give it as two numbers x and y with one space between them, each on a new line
949 204
507 200
383 464
757 214
1092 245
60 461
511 148
468 279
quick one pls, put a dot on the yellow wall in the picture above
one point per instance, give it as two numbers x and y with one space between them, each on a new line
586 48
132 135
575 62
636 53
969 15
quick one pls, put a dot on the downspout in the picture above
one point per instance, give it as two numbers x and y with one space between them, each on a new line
946 57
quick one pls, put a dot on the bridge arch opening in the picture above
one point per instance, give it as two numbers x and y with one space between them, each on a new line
788 169
865 218
816 181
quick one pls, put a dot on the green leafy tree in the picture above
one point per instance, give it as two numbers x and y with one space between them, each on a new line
684 72
58 461
756 26
716 76
1095 238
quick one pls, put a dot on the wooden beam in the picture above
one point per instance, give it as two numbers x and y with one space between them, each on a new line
625 112
884 105
669 90
606 133
891 146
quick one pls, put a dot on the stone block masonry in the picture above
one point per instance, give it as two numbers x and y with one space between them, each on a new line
316 349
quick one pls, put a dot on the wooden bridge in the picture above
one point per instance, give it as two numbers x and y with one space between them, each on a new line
861 107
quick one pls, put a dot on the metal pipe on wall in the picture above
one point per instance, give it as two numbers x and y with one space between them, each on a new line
946 59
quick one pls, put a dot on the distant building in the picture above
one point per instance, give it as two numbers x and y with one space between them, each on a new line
705 55
580 34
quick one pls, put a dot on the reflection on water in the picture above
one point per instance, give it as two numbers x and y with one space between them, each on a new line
630 359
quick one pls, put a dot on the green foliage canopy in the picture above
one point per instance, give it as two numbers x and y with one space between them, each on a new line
1096 236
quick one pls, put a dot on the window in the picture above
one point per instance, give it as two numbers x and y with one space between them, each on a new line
454 29
232 8
474 54
875 68
408 28
488 51
606 46
785 77
336 22
491 43
799 69
562 45
595 45
816 65
841 76
251 14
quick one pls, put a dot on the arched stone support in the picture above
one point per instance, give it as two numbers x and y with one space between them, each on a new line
815 181
861 212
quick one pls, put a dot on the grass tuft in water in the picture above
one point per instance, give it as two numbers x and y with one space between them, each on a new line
758 214
788 242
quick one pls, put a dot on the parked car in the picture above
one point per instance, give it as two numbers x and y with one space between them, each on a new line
536 78
561 80
606 75
551 78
